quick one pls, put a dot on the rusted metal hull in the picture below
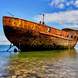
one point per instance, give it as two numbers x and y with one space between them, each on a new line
27 35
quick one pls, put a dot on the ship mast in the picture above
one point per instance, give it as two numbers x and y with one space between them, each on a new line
43 18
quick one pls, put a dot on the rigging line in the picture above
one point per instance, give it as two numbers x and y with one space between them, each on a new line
10 14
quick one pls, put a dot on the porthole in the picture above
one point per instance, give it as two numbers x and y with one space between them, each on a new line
70 36
48 29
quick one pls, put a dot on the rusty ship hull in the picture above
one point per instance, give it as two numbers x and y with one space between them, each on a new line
27 35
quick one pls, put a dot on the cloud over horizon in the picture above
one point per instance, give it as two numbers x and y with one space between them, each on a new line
61 4
69 18
4 41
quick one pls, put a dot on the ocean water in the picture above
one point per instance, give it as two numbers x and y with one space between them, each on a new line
39 64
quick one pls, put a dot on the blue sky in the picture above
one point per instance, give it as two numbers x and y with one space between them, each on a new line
58 13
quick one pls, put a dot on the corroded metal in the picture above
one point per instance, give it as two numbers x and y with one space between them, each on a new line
34 36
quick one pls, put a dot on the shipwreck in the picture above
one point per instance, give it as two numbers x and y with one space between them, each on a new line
28 35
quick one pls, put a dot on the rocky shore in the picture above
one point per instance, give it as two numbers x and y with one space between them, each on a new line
37 68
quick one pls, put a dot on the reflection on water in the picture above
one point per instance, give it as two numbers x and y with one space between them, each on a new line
39 64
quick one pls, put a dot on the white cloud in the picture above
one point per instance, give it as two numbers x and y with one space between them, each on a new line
70 25
76 3
67 18
67 3
4 41
70 2
56 3
61 6
3 38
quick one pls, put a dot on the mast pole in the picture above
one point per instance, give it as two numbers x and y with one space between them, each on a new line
43 18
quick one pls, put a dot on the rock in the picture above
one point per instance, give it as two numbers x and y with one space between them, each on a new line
11 72
73 74
32 75
64 73
21 66
20 76
0 74
52 75
24 75
17 73
14 77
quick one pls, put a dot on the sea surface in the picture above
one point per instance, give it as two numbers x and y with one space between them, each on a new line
39 64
